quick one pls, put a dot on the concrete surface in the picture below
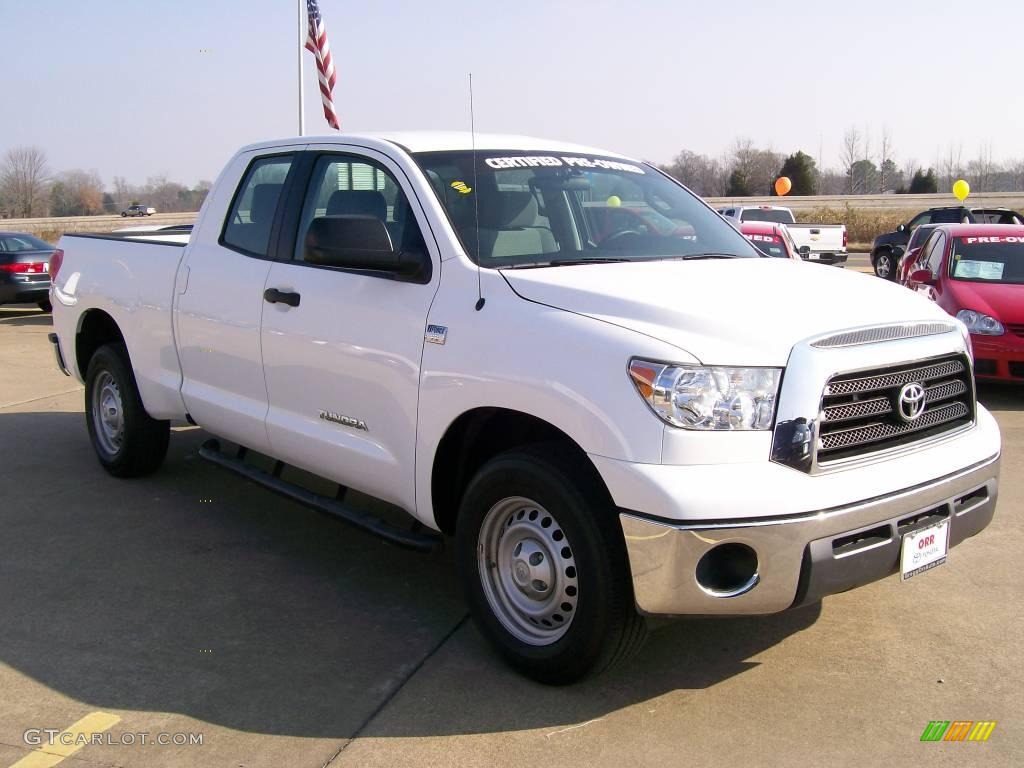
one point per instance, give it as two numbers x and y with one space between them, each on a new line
193 602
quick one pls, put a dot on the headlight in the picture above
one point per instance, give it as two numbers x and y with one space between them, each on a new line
981 324
709 398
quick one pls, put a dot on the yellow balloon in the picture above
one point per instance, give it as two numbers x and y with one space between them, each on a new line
614 201
961 189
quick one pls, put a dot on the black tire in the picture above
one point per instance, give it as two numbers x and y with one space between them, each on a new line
46 306
123 215
141 442
885 264
604 628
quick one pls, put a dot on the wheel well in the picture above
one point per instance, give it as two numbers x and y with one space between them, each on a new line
478 436
97 328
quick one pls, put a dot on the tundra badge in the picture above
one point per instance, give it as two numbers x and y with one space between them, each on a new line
345 421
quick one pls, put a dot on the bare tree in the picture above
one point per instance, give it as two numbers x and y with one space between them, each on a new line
982 170
1016 170
850 154
952 164
23 178
885 161
77 193
124 192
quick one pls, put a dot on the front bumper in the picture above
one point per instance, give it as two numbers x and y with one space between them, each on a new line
999 358
800 558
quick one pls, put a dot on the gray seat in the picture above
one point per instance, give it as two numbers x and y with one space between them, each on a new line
254 235
511 225
358 202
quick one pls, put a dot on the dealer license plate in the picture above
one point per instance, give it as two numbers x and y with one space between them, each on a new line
924 549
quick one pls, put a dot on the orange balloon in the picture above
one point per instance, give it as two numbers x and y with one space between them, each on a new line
782 186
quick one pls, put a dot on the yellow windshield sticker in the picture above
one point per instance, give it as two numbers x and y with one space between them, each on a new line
461 187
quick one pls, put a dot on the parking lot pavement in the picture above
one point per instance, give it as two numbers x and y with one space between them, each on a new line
191 602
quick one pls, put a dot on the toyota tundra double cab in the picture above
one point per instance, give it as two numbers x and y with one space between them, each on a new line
653 421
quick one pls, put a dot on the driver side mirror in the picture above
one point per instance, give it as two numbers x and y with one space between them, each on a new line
922 276
901 228
360 242
804 251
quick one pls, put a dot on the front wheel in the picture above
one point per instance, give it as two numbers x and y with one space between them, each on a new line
885 266
544 566
127 440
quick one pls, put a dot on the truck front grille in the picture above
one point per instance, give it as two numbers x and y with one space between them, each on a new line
861 413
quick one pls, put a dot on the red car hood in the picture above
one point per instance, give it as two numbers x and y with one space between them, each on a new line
1003 301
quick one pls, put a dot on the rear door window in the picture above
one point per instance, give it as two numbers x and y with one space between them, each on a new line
252 212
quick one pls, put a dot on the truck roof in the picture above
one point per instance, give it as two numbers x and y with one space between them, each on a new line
438 141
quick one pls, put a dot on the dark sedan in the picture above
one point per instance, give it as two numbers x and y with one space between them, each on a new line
25 270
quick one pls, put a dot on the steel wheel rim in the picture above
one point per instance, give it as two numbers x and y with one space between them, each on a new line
527 570
108 413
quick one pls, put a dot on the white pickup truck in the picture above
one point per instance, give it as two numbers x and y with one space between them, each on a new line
822 243
612 425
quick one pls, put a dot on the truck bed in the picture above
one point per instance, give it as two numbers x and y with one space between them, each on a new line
129 276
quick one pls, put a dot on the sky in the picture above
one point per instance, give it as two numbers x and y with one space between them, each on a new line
174 87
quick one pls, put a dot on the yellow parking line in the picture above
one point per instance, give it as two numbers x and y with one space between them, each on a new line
63 745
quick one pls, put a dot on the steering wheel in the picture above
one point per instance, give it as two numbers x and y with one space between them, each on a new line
612 238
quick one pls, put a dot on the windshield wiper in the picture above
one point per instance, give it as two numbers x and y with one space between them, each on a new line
571 262
695 256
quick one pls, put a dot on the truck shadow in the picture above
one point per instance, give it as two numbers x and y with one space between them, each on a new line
196 593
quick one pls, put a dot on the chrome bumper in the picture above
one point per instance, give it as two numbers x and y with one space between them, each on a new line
800 558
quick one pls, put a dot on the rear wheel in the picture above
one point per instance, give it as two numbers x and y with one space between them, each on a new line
885 266
544 566
127 441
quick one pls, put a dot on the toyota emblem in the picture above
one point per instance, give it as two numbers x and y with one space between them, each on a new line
910 404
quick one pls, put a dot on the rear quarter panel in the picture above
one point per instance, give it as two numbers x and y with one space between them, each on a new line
133 282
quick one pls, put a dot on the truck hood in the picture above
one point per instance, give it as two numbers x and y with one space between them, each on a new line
724 311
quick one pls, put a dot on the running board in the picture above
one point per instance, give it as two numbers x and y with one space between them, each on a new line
419 538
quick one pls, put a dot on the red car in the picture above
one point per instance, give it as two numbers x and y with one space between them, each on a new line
771 239
976 273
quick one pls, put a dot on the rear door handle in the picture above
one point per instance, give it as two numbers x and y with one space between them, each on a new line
274 296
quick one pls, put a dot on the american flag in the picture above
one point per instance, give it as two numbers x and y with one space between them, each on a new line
316 43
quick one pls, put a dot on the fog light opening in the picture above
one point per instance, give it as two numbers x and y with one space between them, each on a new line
728 570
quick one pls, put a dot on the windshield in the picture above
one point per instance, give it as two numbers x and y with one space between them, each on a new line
15 243
988 259
550 209
775 215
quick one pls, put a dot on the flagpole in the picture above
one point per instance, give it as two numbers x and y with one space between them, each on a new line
303 32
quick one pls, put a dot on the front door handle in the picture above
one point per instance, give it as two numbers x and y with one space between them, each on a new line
274 296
